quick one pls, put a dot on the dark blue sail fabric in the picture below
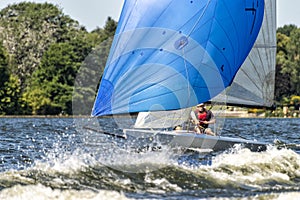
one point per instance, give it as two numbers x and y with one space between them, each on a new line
173 54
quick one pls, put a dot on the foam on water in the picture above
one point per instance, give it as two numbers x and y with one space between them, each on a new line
98 174
272 196
255 170
66 162
136 162
238 167
39 191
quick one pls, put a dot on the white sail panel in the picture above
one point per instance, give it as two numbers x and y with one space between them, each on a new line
254 83
162 119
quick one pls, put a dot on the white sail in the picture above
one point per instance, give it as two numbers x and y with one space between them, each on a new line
162 119
254 83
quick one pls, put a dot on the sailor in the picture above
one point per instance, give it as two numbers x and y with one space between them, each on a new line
203 117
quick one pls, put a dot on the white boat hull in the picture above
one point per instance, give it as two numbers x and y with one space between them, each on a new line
191 140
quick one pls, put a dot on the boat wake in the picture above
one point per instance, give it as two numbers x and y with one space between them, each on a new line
151 173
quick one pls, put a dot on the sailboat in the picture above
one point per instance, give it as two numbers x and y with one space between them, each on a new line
168 56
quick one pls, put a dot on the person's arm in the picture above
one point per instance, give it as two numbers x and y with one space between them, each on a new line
194 118
211 121
211 118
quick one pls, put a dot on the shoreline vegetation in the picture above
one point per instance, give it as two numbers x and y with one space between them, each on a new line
78 117
234 113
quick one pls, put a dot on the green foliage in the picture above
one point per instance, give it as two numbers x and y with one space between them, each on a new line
28 30
52 83
12 97
4 75
37 99
110 27
42 52
288 62
295 99
286 29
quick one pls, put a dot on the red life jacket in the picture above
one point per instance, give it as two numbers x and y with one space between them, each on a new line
202 116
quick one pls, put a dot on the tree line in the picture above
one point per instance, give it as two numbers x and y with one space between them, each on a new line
42 51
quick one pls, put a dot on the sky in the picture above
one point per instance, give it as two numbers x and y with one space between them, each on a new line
94 13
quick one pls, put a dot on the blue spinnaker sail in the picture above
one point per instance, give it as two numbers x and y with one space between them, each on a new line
173 54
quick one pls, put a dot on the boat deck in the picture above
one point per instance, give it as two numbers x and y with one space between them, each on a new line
190 139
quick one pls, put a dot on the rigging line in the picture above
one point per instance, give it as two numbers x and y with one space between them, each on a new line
105 132
187 77
217 124
198 20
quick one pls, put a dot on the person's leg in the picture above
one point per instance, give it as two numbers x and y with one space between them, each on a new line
198 130
208 131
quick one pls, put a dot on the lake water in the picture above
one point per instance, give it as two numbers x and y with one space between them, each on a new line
55 158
